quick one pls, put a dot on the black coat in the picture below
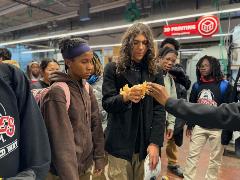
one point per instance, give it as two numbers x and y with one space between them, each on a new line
121 131
24 145
225 116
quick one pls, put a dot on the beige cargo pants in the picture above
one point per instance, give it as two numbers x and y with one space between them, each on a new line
121 169
199 138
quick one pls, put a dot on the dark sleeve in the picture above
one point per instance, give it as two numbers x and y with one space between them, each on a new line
193 94
228 95
225 116
187 82
192 99
34 143
97 133
159 119
228 98
112 101
184 81
61 134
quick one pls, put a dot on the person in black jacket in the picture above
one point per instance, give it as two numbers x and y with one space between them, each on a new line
135 125
24 145
225 116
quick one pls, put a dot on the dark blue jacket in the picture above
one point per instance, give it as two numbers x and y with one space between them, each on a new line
24 145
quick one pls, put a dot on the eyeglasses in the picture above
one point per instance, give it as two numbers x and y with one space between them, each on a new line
137 43
203 66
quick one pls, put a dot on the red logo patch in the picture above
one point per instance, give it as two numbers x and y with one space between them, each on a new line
7 126
208 25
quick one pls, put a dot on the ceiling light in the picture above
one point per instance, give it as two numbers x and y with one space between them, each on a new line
189 52
104 46
117 27
193 16
113 45
38 51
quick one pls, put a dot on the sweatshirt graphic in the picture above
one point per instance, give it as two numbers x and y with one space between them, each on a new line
206 97
7 131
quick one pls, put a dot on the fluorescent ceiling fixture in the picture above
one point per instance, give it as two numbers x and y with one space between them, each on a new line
38 51
117 27
195 37
113 45
189 52
104 46
193 15
194 49
53 50
64 35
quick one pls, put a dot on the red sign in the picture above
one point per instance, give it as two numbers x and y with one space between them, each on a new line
206 26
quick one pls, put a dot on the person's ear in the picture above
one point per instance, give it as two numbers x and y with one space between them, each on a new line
68 62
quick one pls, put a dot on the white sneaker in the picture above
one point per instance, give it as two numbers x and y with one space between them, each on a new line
151 174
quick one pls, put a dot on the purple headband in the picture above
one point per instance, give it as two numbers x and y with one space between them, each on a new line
76 51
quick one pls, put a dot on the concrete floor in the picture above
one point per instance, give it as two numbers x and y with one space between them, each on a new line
230 169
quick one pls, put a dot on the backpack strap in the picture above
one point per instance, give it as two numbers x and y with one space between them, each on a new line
66 90
195 86
223 88
38 94
87 87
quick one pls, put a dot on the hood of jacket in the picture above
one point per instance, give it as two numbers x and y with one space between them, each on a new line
64 77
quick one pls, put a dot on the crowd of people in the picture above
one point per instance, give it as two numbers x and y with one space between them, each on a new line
81 124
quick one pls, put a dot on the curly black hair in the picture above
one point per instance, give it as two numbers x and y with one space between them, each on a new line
164 51
69 43
127 46
215 66
172 41
5 54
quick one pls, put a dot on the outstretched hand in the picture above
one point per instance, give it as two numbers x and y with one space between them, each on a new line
158 92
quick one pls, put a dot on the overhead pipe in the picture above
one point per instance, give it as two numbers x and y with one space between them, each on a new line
15 7
36 7
95 9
